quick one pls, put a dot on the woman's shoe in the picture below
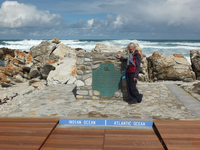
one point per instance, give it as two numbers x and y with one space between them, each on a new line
131 103
140 100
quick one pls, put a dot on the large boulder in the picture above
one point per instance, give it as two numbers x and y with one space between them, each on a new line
18 78
58 53
34 72
195 62
45 68
107 48
65 72
143 74
71 52
4 51
42 51
170 67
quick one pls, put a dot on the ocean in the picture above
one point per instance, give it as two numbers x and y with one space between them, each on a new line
148 46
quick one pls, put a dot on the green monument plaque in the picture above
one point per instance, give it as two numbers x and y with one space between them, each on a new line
106 79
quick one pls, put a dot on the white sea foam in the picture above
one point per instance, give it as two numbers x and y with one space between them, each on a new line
23 45
148 46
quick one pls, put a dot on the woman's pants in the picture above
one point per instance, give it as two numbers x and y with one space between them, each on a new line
132 90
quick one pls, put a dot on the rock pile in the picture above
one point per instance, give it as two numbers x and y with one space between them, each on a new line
170 67
195 61
42 64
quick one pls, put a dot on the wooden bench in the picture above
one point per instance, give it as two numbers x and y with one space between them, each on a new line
179 134
102 139
25 133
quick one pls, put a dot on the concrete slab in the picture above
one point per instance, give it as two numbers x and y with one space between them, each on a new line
186 99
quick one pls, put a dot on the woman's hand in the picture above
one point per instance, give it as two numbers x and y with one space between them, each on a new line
119 56
134 79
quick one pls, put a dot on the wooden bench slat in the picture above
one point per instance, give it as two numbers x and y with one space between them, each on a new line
18 147
36 120
28 130
135 132
179 131
117 147
178 127
176 121
26 125
61 131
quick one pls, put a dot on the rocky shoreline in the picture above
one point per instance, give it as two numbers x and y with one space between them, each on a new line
51 62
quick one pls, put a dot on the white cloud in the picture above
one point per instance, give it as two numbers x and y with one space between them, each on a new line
154 17
118 22
107 18
19 15
90 22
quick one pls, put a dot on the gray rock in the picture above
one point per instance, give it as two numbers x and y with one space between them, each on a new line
80 61
88 81
63 73
27 67
106 48
86 76
82 92
39 85
80 83
94 67
96 92
42 51
117 94
195 61
70 52
4 51
7 83
88 59
34 80
171 67
45 69
18 78
79 72
97 62
34 73
59 52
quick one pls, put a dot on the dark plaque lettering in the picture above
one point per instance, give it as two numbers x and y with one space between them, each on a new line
106 79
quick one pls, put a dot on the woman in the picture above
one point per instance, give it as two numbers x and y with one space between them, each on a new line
132 71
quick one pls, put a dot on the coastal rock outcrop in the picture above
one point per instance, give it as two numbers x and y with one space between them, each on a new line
38 63
42 51
4 51
170 67
55 63
143 74
65 72
107 48
195 62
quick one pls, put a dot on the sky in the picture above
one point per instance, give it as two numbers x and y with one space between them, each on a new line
100 19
